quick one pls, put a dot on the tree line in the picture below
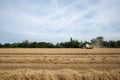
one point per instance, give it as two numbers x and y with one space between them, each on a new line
72 43
100 42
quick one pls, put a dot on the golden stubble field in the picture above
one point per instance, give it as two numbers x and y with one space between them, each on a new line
59 64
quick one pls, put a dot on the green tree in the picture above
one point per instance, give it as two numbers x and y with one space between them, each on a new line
70 44
14 45
6 45
25 44
117 44
0 45
33 44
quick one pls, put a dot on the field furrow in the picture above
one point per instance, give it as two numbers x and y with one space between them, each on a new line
60 64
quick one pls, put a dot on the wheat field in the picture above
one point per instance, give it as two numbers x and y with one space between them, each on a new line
59 64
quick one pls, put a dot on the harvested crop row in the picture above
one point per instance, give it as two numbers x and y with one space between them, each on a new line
102 60
64 74
61 51
12 66
59 56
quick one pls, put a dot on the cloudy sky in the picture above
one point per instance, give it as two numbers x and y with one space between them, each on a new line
58 20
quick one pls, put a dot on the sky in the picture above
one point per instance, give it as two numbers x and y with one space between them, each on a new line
58 20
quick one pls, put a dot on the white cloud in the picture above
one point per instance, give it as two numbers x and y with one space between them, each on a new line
58 20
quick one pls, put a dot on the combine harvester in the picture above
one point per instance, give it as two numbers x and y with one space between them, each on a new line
88 46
